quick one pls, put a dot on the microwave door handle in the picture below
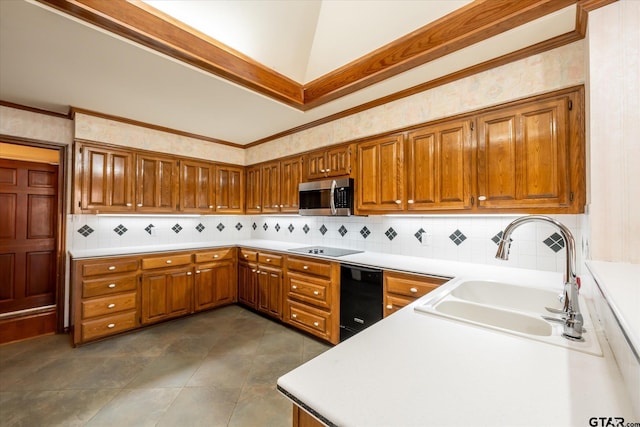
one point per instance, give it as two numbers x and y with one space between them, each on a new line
332 197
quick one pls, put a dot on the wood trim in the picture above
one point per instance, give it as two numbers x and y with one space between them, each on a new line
75 110
541 47
35 110
591 5
29 326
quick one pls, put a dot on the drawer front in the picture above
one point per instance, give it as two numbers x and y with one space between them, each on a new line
108 267
248 255
215 255
97 287
412 286
110 304
93 329
310 290
270 259
305 265
309 319
393 303
166 261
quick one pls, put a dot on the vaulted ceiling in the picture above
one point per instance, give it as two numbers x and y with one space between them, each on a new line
246 71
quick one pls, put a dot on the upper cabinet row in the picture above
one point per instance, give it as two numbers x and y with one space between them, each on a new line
524 157
113 180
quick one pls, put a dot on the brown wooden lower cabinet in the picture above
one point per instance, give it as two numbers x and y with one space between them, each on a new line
247 284
401 289
302 418
270 291
166 294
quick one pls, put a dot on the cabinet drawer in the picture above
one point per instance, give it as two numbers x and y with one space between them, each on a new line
411 285
97 287
309 319
108 325
270 259
166 261
110 304
248 255
305 265
108 267
215 255
308 289
393 303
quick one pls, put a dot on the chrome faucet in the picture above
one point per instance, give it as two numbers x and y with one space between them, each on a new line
570 313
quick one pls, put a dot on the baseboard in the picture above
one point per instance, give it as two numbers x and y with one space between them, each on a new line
27 326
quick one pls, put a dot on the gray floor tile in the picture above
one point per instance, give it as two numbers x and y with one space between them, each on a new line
200 406
138 407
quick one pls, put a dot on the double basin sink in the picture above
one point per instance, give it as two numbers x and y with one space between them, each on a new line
508 308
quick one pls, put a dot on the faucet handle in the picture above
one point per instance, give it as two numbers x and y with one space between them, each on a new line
555 311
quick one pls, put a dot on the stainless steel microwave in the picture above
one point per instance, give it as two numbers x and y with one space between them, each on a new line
332 197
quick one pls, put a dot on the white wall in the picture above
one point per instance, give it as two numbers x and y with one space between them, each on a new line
614 131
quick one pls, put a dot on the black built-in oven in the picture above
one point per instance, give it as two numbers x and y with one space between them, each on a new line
360 299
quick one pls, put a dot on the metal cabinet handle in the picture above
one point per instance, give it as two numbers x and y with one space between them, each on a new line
128 204
139 205
253 270
316 324
246 256
215 256
413 290
258 207
211 206
111 285
482 198
219 207
111 305
188 273
294 287
112 267
389 306
168 261
410 201
305 267
294 315
111 325
258 271
398 202
197 271
282 206
316 293
268 259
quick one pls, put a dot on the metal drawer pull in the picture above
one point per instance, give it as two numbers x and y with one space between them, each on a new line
139 205
112 267
111 305
316 293
294 315
253 270
112 285
168 261
482 198
111 325
197 271
268 259
410 201
389 306
258 271
215 256
316 324
398 202
294 287
188 273
413 290
305 267
246 256
211 206
128 204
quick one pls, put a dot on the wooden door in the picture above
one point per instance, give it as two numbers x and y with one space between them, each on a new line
523 156
107 179
166 294
253 191
196 187
439 167
270 291
315 165
271 187
229 189
291 176
215 285
28 236
247 284
156 184
338 161
380 175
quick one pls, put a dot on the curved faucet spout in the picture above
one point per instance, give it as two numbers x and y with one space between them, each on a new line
572 317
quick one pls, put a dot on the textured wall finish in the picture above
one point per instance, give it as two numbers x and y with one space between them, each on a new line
27 124
545 72
98 129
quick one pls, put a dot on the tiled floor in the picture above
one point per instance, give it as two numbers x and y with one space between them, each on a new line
217 368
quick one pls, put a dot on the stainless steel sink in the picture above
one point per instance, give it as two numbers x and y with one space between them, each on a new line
508 308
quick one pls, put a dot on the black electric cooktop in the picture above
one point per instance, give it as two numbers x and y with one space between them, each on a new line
324 250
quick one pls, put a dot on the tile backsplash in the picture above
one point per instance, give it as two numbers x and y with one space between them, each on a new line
456 238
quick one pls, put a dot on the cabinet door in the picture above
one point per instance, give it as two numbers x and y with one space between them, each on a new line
270 291
196 187
247 284
291 175
315 165
338 161
156 184
271 188
253 191
380 175
439 167
523 156
106 179
215 285
166 295
229 189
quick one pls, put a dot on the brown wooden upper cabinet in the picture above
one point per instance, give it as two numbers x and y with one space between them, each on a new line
229 189
157 182
253 190
290 178
439 167
104 179
523 156
380 176
196 187
328 162
270 187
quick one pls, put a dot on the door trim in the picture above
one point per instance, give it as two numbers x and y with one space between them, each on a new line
61 225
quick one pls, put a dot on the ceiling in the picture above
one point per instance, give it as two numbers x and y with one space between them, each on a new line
265 67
